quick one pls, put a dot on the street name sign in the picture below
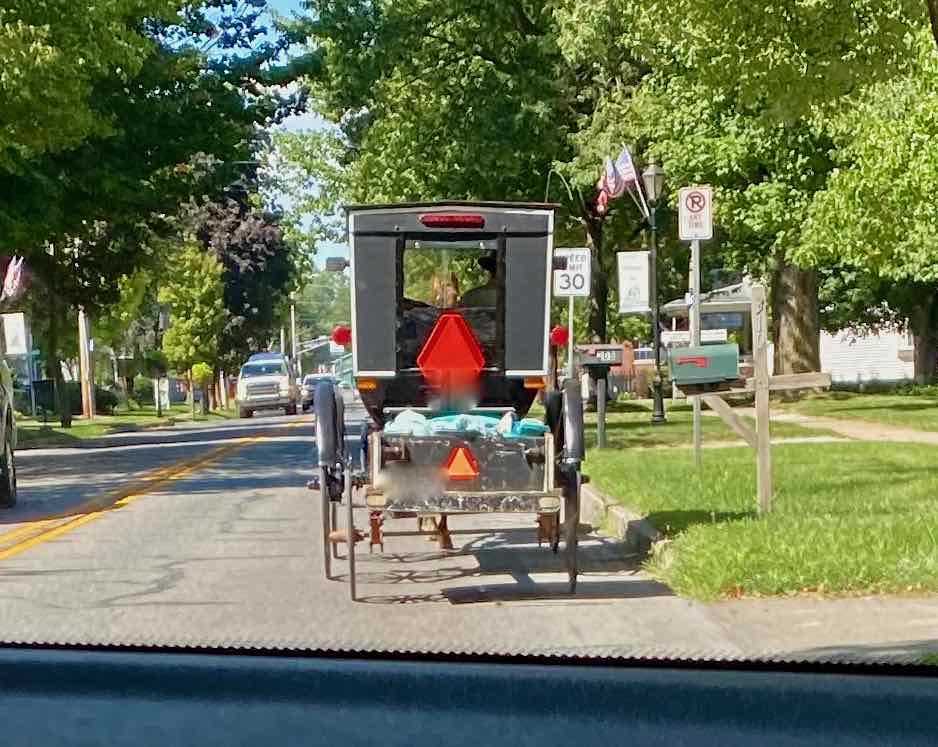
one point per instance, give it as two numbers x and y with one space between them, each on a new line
572 273
695 214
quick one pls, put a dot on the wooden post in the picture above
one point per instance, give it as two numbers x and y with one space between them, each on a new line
761 375
601 413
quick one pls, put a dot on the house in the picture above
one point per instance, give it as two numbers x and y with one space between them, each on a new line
848 357
859 359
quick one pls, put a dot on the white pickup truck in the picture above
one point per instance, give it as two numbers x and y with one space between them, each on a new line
266 382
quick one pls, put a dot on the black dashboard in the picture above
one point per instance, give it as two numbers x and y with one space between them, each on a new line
141 697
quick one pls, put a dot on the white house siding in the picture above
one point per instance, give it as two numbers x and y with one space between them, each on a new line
854 359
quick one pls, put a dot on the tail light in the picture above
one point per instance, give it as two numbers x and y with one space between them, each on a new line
342 336
454 220
559 336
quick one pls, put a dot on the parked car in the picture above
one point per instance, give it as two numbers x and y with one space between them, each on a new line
267 382
308 390
8 436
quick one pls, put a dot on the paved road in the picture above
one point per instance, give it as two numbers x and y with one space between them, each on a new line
206 535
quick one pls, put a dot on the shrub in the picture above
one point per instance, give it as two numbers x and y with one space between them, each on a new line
105 400
143 390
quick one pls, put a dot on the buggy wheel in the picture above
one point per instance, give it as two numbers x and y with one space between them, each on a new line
571 517
328 521
7 471
350 535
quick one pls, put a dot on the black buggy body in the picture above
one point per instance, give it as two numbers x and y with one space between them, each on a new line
417 327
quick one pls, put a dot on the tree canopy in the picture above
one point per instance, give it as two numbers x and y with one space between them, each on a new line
193 292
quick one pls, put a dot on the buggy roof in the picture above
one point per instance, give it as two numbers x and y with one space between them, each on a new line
391 206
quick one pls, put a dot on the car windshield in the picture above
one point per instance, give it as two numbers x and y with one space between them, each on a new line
263 369
601 329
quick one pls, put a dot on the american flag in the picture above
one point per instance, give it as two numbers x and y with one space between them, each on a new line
13 281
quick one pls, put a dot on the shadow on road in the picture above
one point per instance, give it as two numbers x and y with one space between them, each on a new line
506 552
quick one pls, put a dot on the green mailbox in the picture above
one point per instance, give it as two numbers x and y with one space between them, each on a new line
704 367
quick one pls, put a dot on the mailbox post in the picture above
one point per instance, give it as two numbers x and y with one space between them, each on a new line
597 365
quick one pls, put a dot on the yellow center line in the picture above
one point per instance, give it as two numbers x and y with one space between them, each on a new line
36 532
155 478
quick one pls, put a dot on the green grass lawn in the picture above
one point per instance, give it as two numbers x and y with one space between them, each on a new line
917 412
849 518
628 424
36 433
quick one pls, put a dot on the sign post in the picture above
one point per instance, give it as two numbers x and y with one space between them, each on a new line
695 212
572 278
597 360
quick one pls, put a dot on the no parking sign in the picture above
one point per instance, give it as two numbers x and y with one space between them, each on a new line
695 210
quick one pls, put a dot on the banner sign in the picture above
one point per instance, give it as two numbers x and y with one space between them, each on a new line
15 334
633 283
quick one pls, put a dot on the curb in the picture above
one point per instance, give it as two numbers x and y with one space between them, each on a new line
627 525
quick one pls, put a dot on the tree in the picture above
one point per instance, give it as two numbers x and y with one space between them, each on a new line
453 101
875 217
52 54
193 290
781 58
259 269
203 375
732 94
86 208
323 303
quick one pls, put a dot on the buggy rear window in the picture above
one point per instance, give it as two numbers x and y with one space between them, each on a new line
467 276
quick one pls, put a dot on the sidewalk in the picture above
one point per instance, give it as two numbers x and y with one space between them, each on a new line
860 430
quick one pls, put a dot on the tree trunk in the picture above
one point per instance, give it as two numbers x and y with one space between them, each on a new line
218 400
191 394
933 17
61 403
796 330
924 330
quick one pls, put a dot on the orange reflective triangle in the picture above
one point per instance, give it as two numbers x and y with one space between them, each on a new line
461 465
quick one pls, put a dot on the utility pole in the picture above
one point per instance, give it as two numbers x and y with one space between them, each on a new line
86 376
283 341
297 361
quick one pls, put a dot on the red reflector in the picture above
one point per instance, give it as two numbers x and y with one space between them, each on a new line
451 355
454 220
461 465
342 335
698 360
559 336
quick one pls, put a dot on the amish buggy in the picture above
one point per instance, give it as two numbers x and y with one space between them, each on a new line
450 347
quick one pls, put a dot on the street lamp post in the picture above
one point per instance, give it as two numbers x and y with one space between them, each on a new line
653 180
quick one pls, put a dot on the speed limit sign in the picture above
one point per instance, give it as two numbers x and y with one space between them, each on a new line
572 272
